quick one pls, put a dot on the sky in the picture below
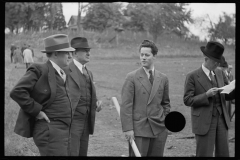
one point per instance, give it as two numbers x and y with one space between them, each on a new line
214 10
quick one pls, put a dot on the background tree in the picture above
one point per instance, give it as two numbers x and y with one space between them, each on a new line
133 18
59 20
51 11
225 28
158 18
101 16
81 8
14 16
165 17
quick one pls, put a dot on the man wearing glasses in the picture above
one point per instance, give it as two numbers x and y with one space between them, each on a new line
83 97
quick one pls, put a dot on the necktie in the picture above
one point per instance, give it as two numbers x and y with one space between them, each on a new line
85 72
212 78
151 77
63 75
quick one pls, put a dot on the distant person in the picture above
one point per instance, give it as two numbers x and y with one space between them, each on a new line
43 96
12 48
28 56
210 119
29 46
229 73
83 97
23 48
17 56
145 104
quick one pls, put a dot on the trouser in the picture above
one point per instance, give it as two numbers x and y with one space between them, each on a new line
217 136
79 134
150 146
51 138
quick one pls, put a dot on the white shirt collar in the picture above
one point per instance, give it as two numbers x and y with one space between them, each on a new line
207 71
57 68
147 71
79 65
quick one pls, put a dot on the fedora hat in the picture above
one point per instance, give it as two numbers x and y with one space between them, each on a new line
57 42
213 50
80 42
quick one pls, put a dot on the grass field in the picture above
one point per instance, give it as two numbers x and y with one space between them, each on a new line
109 67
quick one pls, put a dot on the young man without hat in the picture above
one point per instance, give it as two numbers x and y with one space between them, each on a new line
145 104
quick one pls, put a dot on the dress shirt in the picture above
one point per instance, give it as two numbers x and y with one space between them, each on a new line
207 71
79 65
57 68
147 71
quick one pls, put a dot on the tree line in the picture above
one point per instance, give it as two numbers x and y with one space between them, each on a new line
34 16
154 18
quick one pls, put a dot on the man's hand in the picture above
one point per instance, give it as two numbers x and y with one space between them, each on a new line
99 106
42 115
129 135
211 92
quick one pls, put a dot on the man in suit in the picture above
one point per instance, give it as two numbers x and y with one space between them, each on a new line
83 97
210 120
145 104
41 93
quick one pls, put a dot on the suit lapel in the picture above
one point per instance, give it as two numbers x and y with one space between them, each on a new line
91 79
52 82
155 86
203 80
143 79
73 73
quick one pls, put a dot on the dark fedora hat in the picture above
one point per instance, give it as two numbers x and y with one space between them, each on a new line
57 42
223 63
80 42
213 50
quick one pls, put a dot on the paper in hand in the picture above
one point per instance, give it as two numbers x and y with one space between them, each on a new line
228 88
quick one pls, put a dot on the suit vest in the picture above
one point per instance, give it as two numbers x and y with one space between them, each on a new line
60 108
85 91
217 105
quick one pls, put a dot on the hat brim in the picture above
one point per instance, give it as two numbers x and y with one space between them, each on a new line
82 47
206 54
70 49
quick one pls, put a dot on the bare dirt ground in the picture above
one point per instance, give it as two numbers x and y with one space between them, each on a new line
108 139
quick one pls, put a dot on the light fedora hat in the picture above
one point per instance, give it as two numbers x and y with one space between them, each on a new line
57 42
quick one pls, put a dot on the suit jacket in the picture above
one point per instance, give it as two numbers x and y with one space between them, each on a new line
33 92
196 86
144 106
74 89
